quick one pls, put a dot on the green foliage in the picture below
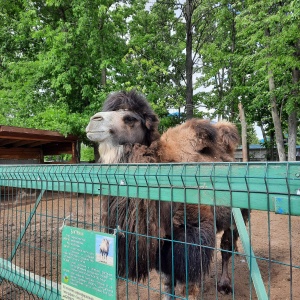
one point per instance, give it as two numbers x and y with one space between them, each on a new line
249 39
60 59
251 134
170 121
53 55
86 153
155 55
269 32
62 158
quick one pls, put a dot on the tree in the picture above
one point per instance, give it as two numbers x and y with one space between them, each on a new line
155 55
271 34
228 95
190 7
250 58
197 16
220 64
54 58
165 41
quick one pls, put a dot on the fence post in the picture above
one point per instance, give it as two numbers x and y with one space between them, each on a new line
251 260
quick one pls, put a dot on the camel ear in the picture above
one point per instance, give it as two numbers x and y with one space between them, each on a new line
151 123
228 135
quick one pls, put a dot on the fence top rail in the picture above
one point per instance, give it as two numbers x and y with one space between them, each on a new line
265 186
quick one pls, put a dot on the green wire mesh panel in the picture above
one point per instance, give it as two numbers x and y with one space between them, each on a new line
183 217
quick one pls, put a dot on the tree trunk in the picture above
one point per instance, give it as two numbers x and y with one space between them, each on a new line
103 76
244 132
293 122
102 51
276 119
189 60
266 143
274 112
272 144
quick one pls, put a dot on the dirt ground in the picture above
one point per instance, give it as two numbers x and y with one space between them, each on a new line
275 240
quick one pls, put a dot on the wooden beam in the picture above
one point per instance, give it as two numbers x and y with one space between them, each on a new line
20 143
20 153
74 159
4 142
9 132
38 143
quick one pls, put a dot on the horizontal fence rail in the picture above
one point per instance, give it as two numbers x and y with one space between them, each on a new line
33 231
262 186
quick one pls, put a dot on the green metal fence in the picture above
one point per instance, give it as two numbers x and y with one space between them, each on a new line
36 201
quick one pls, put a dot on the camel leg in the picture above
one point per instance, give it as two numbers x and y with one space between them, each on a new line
88 209
228 240
167 281
194 290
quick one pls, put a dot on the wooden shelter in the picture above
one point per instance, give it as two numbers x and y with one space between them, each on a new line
34 144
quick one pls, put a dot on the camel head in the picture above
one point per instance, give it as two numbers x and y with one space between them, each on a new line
191 141
198 140
126 118
116 128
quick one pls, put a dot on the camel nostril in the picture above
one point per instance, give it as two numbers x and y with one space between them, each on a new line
98 118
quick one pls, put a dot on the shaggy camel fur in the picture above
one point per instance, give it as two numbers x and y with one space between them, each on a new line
198 141
126 120
126 131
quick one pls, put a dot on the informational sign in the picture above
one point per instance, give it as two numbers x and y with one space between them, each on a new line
88 265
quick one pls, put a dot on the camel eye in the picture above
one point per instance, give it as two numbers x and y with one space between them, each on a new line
129 119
